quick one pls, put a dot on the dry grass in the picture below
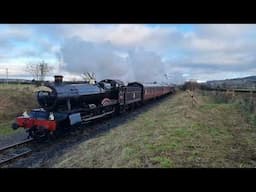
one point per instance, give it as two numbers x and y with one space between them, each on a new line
14 99
174 133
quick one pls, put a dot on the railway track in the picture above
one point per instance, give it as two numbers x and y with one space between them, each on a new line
14 151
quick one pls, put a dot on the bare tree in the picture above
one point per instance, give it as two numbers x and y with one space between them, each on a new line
38 70
89 77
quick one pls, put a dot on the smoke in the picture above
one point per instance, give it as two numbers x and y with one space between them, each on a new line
145 65
82 56
109 61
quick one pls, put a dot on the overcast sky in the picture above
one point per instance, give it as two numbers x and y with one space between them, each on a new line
131 52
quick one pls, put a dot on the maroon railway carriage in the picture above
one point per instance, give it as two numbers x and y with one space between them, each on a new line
153 90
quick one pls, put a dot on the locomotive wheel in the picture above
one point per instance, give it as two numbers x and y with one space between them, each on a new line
51 136
57 133
15 126
39 133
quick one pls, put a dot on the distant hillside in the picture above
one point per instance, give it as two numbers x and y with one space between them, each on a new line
236 83
16 81
249 78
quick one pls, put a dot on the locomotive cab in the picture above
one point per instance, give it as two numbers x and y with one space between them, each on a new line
45 98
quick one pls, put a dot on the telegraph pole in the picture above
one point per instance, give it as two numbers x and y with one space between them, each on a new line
7 76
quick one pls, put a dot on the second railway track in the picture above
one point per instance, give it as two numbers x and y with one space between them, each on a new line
14 151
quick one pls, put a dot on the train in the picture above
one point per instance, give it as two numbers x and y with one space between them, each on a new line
66 106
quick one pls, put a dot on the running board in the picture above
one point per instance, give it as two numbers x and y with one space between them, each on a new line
98 116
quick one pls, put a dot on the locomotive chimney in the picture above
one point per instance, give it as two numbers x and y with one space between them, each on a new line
58 79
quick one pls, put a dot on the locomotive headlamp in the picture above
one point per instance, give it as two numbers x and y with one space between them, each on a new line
25 114
51 116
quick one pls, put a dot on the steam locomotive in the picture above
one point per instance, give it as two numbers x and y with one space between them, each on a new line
65 106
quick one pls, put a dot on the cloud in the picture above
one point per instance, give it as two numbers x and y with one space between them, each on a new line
145 66
107 62
123 36
224 31
82 56
134 51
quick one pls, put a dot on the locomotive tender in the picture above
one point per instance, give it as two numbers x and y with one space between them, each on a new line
65 106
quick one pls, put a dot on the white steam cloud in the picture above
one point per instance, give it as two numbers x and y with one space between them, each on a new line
108 61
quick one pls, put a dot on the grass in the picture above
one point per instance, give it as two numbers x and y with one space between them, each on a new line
173 133
5 128
4 86
245 101
14 99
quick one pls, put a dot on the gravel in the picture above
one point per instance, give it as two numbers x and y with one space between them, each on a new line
17 136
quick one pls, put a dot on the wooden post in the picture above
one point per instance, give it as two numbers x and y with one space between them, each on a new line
251 97
194 100
233 93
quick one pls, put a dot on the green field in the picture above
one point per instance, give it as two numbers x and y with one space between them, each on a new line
175 133
14 99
